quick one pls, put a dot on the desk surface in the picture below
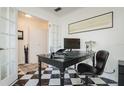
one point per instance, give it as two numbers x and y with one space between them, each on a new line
68 56
65 60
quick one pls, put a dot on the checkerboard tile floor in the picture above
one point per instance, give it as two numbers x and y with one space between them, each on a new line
51 77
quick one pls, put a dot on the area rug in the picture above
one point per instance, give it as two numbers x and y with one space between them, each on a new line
24 68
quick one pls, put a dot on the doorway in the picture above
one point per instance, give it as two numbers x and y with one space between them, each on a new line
34 42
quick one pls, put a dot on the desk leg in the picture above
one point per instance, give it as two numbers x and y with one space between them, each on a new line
75 66
39 70
75 70
93 59
62 77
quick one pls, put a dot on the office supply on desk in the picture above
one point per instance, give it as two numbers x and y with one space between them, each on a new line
88 70
89 45
62 63
60 51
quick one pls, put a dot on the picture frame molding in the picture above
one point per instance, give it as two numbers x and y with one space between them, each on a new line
20 38
92 18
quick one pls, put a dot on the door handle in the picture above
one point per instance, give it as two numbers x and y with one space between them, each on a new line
1 48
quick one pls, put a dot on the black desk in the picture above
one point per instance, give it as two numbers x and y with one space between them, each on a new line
63 62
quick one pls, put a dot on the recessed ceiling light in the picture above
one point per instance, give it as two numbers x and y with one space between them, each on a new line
29 16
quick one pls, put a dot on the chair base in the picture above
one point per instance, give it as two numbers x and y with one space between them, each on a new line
85 83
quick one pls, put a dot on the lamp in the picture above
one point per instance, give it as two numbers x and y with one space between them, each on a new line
89 45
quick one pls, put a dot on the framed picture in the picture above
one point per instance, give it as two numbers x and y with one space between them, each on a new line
20 35
103 21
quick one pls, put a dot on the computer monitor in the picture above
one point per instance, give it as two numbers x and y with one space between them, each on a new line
71 43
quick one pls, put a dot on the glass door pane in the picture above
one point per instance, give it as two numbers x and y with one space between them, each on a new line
12 14
4 71
4 41
12 42
4 12
4 26
12 61
12 28
4 63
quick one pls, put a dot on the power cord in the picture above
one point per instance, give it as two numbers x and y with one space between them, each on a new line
110 72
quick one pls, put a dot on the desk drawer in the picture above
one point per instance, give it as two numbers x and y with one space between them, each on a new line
121 80
121 69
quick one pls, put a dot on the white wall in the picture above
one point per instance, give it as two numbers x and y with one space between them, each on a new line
109 39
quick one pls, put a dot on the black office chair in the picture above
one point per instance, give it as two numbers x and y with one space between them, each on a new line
88 70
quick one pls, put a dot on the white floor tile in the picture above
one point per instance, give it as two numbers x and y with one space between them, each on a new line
49 68
36 72
54 82
32 82
98 81
55 72
76 81
46 76
21 73
66 76
82 76
71 71
26 76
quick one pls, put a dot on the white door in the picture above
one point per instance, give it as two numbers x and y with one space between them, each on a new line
8 46
37 44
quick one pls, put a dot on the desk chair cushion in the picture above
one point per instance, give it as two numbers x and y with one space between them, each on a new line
86 69
101 58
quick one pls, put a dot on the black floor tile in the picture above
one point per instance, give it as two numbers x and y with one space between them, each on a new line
89 81
44 82
31 72
21 82
47 72
108 80
55 76
67 82
102 84
55 68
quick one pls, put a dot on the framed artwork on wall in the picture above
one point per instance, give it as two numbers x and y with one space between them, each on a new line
20 35
103 21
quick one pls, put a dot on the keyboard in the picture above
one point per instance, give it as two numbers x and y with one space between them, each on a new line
59 56
71 54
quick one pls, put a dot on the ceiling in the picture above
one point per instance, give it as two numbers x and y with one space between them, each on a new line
63 11
23 15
